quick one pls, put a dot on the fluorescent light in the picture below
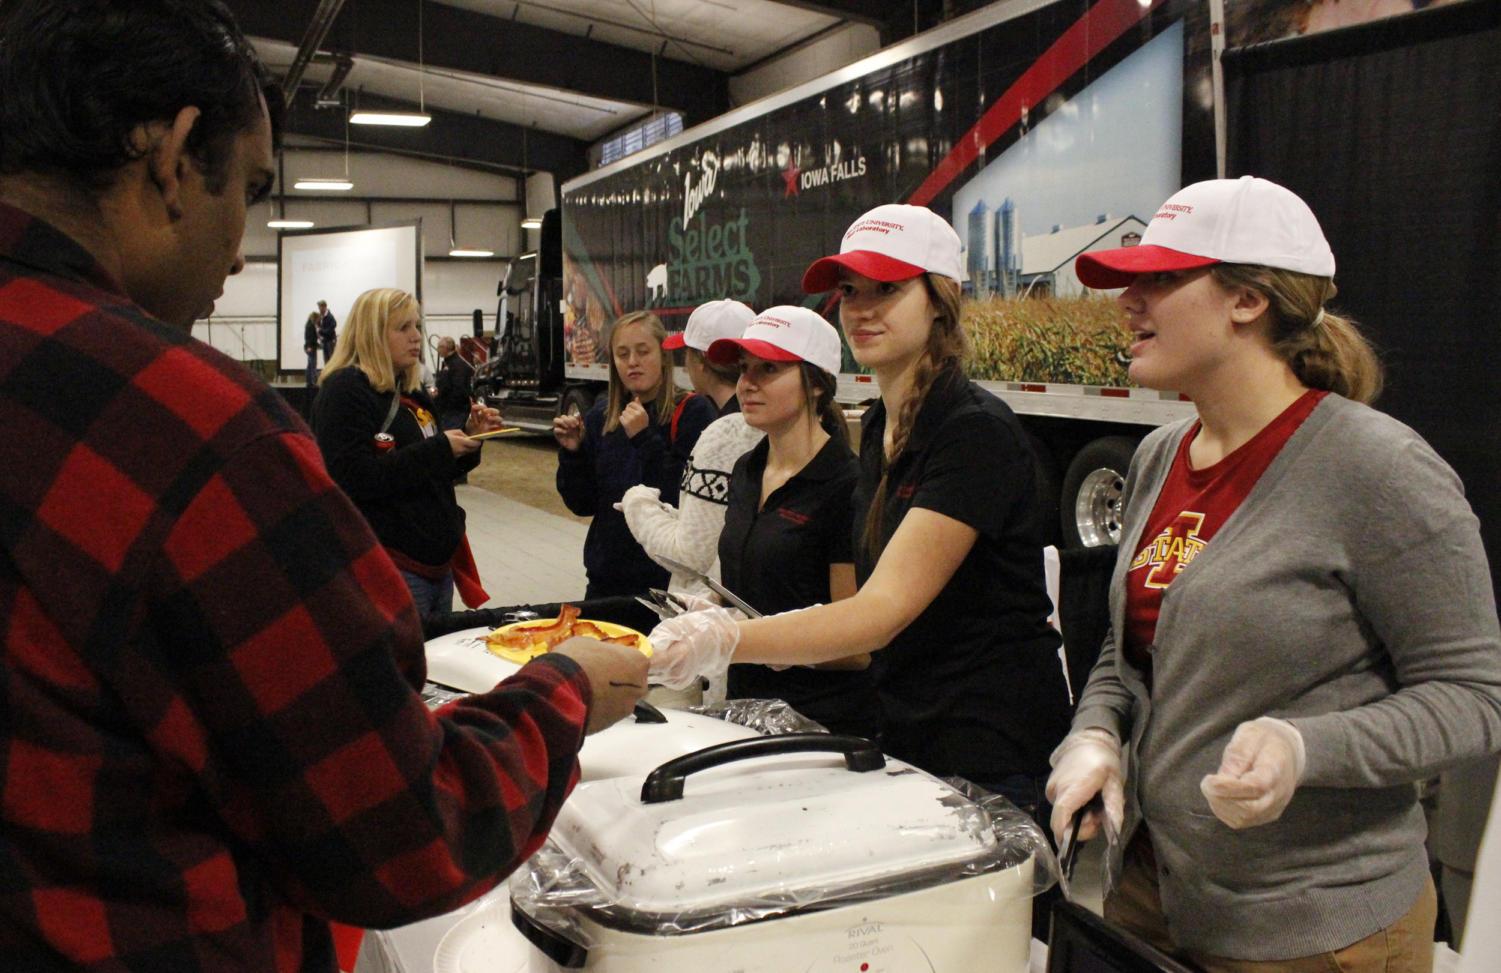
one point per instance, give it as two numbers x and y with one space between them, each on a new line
324 185
456 252
528 256
289 224
531 223
405 119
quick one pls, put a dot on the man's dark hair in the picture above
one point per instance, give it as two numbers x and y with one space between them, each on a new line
78 76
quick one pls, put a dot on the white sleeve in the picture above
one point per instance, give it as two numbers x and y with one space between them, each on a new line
689 533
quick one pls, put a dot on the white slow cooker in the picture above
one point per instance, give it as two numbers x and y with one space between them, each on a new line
759 856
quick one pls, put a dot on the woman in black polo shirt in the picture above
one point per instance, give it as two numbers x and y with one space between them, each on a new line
948 549
786 537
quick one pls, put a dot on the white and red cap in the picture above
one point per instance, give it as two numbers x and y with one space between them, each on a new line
1231 221
784 333
889 243
709 322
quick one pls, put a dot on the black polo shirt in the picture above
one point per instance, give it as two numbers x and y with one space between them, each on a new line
777 558
973 687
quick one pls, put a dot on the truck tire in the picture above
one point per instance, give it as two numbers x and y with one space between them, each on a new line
575 402
1091 501
1045 475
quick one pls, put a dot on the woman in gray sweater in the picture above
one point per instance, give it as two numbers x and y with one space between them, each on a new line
1303 624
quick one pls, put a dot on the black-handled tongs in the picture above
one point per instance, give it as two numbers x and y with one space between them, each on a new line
1068 847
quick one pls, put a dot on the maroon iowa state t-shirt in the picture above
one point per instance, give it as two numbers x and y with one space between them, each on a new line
1189 511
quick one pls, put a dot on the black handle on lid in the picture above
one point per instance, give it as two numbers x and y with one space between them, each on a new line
564 952
666 782
647 713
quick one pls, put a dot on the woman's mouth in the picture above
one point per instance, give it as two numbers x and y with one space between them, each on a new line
1142 337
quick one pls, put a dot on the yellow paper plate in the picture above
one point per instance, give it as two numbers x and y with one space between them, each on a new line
523 656
507 431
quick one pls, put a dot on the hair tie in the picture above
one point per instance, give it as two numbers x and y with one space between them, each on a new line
1318 319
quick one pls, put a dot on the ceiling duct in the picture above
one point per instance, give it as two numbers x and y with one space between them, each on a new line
312 38
328 95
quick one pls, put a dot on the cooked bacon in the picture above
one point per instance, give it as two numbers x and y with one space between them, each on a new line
549 633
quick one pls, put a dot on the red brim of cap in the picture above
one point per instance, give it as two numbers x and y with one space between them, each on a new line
674 341
823 274
726 351
1104 269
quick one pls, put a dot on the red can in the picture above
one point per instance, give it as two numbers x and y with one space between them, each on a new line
384 442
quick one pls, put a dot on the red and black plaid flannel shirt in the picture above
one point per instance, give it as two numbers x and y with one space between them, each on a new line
209 727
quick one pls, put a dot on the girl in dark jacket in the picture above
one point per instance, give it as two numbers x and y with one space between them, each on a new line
641 433
377 429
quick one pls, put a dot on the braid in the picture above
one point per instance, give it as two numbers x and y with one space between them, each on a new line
906 417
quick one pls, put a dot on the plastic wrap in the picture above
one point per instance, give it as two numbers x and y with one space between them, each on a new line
770 717
1016 831
560 891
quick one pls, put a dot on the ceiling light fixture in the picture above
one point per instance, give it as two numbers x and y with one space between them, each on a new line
453 229
289 224
531 223
399 119
324 185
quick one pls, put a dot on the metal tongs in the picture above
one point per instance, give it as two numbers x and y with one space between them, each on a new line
729 596
664 604
1068 847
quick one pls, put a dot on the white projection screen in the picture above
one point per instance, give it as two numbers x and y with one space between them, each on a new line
337 266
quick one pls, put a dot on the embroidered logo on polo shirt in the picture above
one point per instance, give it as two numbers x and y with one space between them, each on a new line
793 516
1171 551
905 491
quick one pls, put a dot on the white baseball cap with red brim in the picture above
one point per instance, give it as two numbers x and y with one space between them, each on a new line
890 243
784 333
709 322
1233 221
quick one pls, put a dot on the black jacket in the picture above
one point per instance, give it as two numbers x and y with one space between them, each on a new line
454 379
593 479
406 493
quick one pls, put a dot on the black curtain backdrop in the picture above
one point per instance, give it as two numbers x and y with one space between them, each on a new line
1392 133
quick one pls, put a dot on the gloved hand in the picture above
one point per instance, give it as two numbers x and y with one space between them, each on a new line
1259 771
697 644
641 497
1086 763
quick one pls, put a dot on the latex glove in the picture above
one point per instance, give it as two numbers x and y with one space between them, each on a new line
695 644
1259 771
1086 763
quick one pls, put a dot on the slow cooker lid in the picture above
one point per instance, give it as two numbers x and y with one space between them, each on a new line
791 828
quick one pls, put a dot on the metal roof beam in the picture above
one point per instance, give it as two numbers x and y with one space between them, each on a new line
461 40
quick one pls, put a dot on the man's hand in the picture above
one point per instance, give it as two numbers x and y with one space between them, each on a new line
1259 771
569 432
617 678
461 444
633 417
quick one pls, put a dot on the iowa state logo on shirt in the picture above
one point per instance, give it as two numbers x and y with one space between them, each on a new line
1172 550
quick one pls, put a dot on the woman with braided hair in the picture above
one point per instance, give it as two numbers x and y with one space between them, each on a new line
947 535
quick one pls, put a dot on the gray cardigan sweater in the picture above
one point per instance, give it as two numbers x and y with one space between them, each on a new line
1348 594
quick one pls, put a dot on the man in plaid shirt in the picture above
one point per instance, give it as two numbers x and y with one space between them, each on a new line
210 737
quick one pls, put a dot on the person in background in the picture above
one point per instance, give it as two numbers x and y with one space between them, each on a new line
786 538
1302 621
213 738
947 535
455 377
689 532
328 331
310 346
381 439
642 432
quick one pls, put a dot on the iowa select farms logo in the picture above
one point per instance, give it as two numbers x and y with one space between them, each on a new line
706 259
797 180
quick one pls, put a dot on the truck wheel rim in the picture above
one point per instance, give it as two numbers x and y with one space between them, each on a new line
1097 510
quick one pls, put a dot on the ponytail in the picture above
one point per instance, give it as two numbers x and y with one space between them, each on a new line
1324 350
821 389
944 356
